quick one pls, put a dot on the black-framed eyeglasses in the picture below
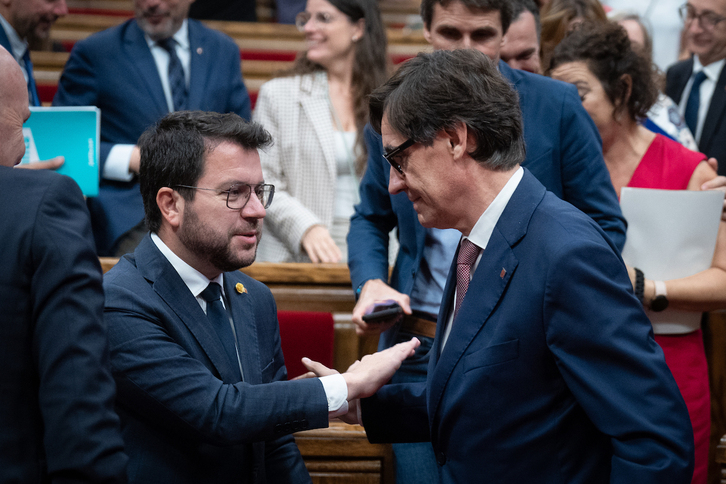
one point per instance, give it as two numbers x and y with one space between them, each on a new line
707 20
390 156
239 194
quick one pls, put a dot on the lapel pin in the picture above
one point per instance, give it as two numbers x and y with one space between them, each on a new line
200 50
240 288
503 273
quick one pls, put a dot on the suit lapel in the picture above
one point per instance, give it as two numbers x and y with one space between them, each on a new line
137 50
246 330
681 74
716 112
171 289
315 103
487 287
200 64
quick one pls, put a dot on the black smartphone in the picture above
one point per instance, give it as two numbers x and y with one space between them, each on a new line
383 312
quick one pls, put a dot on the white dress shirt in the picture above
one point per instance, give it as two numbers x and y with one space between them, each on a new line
336 390
708 86
18 47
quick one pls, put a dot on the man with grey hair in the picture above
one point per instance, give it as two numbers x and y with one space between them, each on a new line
543 363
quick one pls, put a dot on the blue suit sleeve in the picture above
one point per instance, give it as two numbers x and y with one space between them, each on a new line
76 391
373 219
614 367
585 178
78 86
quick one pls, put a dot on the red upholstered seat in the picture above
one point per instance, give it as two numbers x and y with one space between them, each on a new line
305 333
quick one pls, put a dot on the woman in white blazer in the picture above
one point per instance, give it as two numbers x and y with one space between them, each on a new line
316 115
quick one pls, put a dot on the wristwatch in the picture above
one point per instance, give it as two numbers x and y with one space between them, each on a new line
660 301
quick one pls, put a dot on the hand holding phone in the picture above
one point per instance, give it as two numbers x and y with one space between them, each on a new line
383 312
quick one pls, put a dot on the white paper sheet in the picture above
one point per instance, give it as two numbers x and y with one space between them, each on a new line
671 234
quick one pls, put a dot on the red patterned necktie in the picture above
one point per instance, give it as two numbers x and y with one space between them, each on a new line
468 252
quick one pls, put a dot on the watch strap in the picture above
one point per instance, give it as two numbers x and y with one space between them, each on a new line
639 284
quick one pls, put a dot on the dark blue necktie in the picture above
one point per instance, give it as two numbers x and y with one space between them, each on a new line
177 81
32 90
694 100
220 320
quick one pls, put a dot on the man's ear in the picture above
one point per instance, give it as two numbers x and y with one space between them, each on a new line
427 34
461 141
171 205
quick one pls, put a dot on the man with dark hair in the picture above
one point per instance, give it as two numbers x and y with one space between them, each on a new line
564 153
202 397
57 422
520 49
156 63
544 365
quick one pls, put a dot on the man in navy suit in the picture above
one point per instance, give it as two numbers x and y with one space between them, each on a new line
57 422
704 108
136 73
203 397
544 365
564 153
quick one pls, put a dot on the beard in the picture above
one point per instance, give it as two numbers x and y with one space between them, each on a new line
215 247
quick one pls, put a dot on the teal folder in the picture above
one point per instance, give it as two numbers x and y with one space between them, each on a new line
72 132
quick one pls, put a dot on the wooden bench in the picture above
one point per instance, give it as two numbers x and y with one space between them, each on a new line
248 35
342 454
394 13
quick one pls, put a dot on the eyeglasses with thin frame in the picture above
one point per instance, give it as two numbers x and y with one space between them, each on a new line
707 20
320 18
239 194
391 155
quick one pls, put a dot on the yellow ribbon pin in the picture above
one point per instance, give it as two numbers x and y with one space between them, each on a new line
240 288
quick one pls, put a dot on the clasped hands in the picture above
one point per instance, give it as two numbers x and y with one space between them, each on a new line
365 376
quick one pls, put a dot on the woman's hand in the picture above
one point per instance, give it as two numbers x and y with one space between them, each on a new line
319 246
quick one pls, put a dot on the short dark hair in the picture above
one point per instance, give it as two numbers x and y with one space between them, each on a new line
173 152
437 91
519 6
503 6
606 50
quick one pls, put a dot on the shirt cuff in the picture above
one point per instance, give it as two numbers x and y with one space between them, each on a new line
117 163
336 392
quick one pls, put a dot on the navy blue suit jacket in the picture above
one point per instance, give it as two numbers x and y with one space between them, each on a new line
550 372
713 137
57 422
115 71
187 417
563 152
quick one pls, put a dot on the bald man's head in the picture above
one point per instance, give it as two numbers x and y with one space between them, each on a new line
14 110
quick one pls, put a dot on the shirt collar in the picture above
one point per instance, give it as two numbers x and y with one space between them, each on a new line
181 36
18 45
482 231
712 71
194 280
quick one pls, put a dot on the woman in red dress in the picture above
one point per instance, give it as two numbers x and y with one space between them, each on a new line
617 88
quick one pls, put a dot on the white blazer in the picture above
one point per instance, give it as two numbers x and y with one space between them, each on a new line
301 162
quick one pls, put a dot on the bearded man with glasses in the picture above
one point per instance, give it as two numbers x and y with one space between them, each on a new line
698 84
194 343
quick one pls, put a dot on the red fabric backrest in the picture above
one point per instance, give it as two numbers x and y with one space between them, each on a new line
306 333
